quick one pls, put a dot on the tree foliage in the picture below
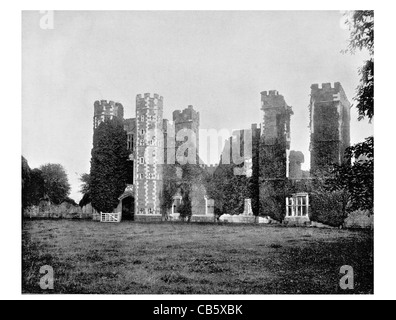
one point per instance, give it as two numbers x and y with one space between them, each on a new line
328 205
85 186
228 190
357 178
361 26
56 183
170 187
108 176
48 182
26 176
85 189
36 188
356 175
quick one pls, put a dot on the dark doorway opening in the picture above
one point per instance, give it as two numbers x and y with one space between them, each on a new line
128 208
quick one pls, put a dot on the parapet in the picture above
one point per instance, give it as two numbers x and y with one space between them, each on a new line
272 100
270 93
326 86
328 92
108 108
188 114
148 95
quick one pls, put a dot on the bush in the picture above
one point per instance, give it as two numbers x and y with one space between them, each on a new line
328 207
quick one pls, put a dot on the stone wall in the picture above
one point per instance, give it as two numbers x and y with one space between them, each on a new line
359 220
62 211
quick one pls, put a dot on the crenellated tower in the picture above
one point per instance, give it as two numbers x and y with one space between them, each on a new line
275 134
107 110
187 119
149 154
330 125
274 151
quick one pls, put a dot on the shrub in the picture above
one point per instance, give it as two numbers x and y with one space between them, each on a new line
326 206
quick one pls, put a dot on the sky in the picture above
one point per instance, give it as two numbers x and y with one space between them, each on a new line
217 61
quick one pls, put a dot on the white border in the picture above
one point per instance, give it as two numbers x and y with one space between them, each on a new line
10 226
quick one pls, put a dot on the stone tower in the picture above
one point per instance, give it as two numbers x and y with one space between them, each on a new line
187 119
275 133
330 125
273 155
296 159
107 110
149 155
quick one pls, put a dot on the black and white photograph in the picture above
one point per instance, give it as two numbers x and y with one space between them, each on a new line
196 153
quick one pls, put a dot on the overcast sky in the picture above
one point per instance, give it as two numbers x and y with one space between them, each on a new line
219 62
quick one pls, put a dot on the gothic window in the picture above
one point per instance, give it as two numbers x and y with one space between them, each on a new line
141 160
151 211
130 142
141 211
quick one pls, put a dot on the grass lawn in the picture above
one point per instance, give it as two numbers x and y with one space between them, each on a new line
142 258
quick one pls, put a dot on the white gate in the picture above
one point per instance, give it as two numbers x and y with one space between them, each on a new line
110 217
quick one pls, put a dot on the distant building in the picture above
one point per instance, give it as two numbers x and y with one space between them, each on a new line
296 159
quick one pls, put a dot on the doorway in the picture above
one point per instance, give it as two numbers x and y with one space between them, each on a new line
128 208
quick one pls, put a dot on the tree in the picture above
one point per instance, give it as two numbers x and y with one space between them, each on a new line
25 182
25 173
228 190
26 178
361 26
56 183
85 189
328 205
170 187
357 178
35 188
356 175
85 186
108 165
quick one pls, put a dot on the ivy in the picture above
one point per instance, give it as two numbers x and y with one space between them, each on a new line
108 165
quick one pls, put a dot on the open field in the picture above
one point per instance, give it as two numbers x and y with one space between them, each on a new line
142 258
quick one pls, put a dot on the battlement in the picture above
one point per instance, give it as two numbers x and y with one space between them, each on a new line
270 93
188 114
326 86
108 108
273 100
327 92
106 104
148 95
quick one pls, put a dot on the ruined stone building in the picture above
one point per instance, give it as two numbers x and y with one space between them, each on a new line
187 119
150 150
275 135
296 159
153 141
329 124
